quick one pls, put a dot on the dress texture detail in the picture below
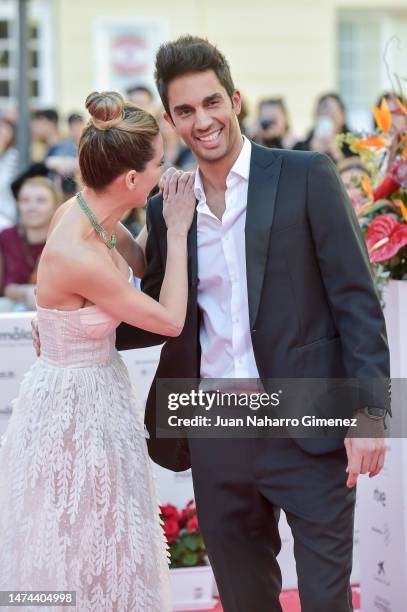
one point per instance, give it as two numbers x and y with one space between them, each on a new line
78 507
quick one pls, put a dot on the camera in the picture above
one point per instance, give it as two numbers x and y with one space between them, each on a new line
265 124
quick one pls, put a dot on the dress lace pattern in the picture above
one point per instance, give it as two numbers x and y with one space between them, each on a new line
78 508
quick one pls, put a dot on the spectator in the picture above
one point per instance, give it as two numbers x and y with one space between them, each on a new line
142 96
76 123
8 171
22 244
272 128
330 121
45 130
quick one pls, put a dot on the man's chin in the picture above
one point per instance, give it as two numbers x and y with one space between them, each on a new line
209 154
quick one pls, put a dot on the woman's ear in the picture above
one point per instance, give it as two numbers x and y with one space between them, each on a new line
131 180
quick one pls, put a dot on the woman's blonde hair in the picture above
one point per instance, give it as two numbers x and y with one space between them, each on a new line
43 181
118 137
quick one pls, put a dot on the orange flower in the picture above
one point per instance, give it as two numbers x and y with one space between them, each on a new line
375 142
403 208
382 116
367 186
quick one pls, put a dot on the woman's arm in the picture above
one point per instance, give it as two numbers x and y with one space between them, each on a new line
98 280
132 249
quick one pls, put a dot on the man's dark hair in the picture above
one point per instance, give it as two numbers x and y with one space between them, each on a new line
75 118
47 113
143 88
189 54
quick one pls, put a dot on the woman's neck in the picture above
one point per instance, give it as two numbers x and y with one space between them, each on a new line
36 235
104 207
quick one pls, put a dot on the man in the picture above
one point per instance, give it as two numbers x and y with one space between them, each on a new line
272 128
142 96
305 308
280 286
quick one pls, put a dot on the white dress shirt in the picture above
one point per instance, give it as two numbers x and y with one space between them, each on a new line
226 345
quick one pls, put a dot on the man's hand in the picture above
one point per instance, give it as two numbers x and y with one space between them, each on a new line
35 336
365 448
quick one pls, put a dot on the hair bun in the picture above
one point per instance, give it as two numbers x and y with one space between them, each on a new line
106 109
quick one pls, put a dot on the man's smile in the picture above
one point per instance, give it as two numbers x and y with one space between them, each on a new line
211 137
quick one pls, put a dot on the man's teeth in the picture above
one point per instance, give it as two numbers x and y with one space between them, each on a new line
211 137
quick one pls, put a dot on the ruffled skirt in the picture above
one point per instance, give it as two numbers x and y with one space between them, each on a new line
78 507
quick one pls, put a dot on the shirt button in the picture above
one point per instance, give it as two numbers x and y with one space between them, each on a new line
235 319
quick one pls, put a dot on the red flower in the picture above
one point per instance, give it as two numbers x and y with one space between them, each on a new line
391 183
388 186
169 512
184 517
187 513
171 530
193 524
385 237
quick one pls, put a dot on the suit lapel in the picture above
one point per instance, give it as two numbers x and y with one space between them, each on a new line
193 253
261 198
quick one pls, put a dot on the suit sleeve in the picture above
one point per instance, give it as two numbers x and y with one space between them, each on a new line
346 273
127 336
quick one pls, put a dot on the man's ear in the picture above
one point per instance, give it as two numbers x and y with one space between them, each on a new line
237 101
131 180
168 119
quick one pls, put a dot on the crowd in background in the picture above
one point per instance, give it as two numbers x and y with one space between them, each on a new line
29 199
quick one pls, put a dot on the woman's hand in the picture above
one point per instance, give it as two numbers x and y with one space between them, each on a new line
179 201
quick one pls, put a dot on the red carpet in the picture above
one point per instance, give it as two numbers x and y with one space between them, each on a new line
291 603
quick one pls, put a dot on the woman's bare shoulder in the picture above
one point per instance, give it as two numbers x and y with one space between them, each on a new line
59 213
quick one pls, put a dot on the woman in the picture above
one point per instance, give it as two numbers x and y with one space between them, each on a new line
330 121
8 170
77 503
22 244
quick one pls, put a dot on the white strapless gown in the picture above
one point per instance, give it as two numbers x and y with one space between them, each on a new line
78 507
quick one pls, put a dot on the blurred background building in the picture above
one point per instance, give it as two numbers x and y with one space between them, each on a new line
296 48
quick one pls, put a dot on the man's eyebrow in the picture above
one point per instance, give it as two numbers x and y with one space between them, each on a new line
212 98
185 107
181 107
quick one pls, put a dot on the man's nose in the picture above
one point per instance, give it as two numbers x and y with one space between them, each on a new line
202 120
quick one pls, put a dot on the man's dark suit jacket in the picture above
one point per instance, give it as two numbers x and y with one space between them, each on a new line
313 309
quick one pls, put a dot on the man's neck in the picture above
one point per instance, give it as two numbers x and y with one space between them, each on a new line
53 138
214 174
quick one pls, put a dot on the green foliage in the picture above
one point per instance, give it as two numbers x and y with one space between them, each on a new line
188 550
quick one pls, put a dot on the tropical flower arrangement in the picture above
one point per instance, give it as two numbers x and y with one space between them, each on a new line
382 209
186 545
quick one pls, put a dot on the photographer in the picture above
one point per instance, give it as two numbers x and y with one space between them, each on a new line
272 128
